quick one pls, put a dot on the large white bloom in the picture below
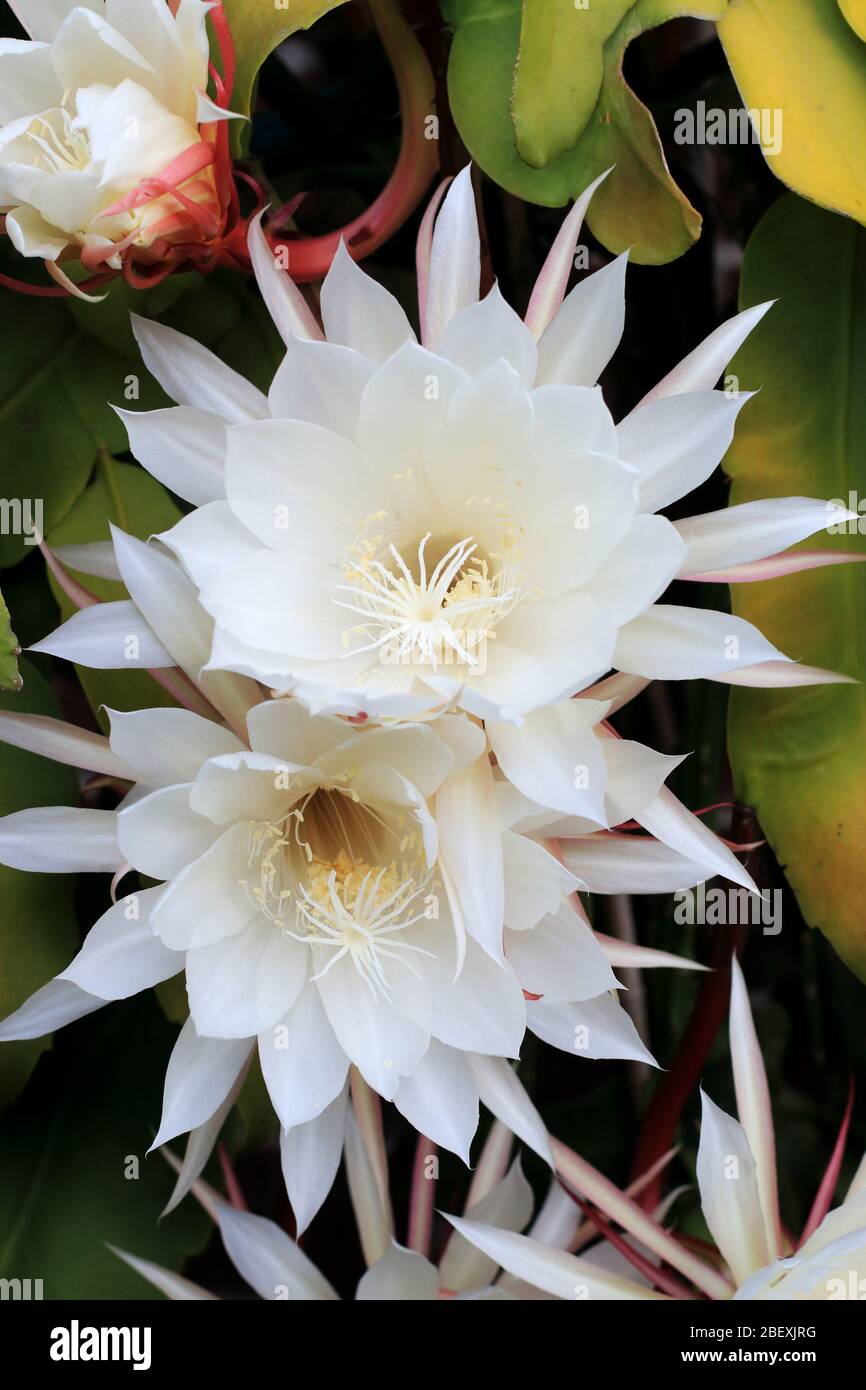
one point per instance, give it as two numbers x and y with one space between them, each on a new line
105 98
338 894
398 527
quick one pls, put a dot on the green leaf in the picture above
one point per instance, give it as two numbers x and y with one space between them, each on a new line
38 935
9 650
54 413
798 755
73 1172
541 103
802 60
133 500
257 26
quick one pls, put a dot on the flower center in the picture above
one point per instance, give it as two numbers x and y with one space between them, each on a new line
60 151
336 875
427 616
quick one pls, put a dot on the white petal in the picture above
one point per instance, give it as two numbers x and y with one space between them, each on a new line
573 418
479 1009
287 730
51 1007
359 313
121 955
200 1145
638 569
321 383
303 1064
208 899
470 844
677 442
507 1207
630 864
244 983
455 259
107 637
594 1028
201 1072
94 557
160 834
174 1286
286 304
400 1274
64 743
560 959
60 840
310 1156
753 1105
635 774
269 1260
440 1099
183 448
208 540
482 333
535 882
702 368
585 333
549 289
554 1271
167 746
193 375
736 535
505 1097
555 758
671 642
415 751
383 1042
671 822
729 1191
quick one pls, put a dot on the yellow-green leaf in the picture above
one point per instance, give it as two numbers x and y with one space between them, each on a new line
802 58
799 756
541 103
9 651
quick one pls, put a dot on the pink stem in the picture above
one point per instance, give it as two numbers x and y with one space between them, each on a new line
824 1195
233 1187
666 1283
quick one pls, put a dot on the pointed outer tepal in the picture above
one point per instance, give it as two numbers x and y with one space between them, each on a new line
201 1073
454 274
617 690
51 1007
609 863
825 1193
508 1207
375 1231
579 1175
64 743
96 558
776 567
470 847
775 675
492 1163
585 333
286 304
753 1105
423 252
728 1185
168 601
736 537
200 1146
101 635
702 368
549 289
193 375
269 1260
629 956
367 1110
439 1097
206 1196
310 1156
174 1286
555 1272
60 840
669 821
609 1031
505 1097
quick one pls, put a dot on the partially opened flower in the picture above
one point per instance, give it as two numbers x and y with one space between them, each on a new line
111 151
398 527
755 1257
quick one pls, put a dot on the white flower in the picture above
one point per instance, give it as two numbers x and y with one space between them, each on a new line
104 114
397 528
